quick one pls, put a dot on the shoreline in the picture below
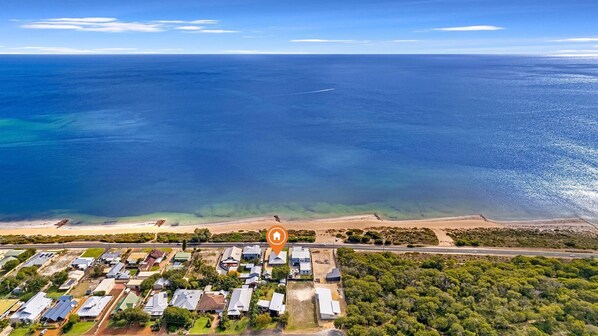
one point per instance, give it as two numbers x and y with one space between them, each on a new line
48 226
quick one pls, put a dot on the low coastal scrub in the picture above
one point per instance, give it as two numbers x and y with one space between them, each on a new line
387 236
204 235
499 237
108 238
200 235
390 294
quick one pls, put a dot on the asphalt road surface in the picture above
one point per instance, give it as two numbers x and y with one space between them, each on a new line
359 247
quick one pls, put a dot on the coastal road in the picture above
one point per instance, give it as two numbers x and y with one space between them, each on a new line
359 247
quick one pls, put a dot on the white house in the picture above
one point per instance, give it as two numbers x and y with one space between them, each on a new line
82 263
280 259
240 301
231 257
277 305
252 252
329 309
300 254
185 298
156 304
110 257
73 278
93 307
305 268
32 309
118 272
161 283
105 286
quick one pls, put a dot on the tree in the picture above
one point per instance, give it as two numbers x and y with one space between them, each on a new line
10 265
132 315
263 320
177 317
284 318
73 319
59 278
184 244
201 235
280 272
97 271
148 283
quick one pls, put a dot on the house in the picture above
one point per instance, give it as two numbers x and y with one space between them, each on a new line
73 278
277 305
161 283
61 310
118 272
213 302
181 257
135 258
7 306
104 287
146 274
156 304
329 309
93 307
277 260
32 309
130 301
334 275
305 268
185 298
300 254
252 252
39 260
231 257
82 263
134 284
155 257
253 277
240 301
6 259
110 257
13 253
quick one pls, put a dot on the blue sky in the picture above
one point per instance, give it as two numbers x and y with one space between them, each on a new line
300 26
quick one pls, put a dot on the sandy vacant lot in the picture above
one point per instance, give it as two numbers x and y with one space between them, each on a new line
301 306
323 263
210 256
60 262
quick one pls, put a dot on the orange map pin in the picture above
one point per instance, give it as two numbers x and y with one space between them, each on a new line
277 236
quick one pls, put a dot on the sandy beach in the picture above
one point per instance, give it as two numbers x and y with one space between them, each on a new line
47 227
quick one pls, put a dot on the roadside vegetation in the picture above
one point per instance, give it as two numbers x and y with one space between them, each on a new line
387 236
390 294
499 237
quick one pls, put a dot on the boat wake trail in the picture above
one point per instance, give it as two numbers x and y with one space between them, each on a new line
304 92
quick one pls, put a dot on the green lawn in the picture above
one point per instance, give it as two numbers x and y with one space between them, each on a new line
23 331
93 253
54 293
235 327
80 328
199 327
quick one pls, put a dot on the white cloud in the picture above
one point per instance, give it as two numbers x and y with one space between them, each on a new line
53 50
405 41
189 28
258 52
109 25
217 31
469 28
579 39
113 25
327 41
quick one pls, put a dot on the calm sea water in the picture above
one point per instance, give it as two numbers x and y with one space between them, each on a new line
300 136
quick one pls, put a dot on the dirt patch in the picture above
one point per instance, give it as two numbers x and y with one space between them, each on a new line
301 307
210 256
443 238
60 262
323 263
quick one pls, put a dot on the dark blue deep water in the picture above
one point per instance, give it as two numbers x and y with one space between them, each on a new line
301 136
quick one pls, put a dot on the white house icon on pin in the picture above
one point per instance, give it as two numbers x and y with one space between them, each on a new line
276 235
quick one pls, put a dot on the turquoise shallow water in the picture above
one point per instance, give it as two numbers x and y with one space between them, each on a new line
215 137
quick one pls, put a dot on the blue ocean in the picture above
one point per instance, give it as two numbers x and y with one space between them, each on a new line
216 137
